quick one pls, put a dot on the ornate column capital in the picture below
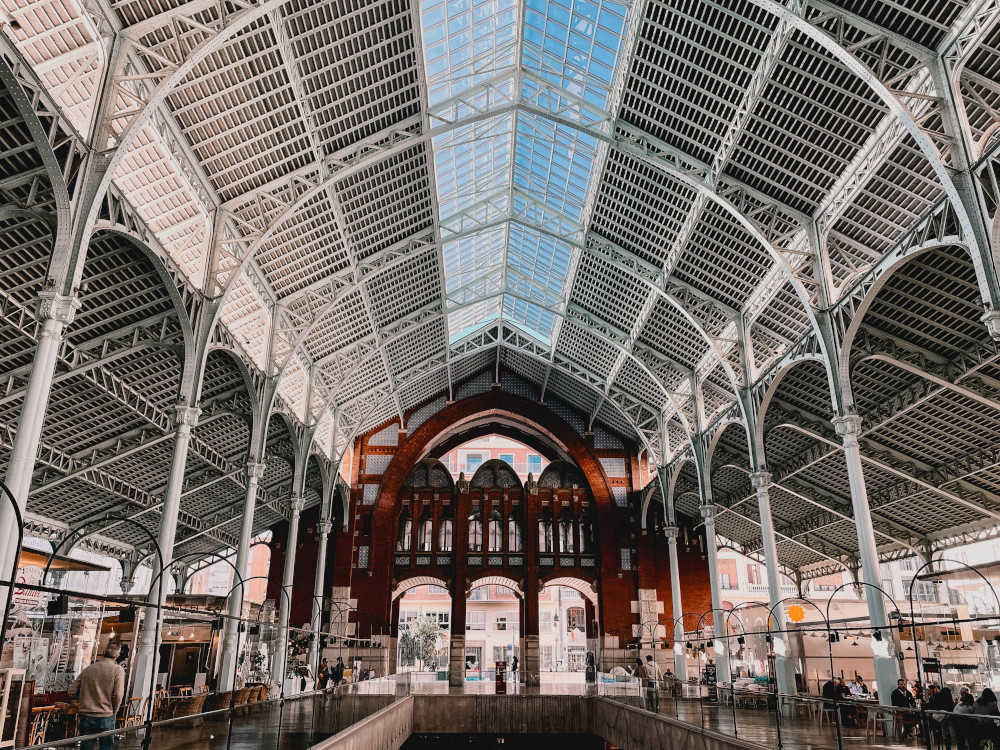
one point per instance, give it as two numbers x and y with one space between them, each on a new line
324 527
54 306
708 513
847 424
255 469
760 480
991 319
848 427
296 505
671 533
186 416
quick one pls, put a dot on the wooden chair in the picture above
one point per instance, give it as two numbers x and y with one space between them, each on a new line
184 692
201 689
134 711
161 705
40 724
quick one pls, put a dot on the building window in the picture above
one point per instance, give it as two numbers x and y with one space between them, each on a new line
923 591
907 563
567 534
444 536
495 532
501 622
478 594
425 536
499 653
727 574
432 589
514 541
405 535
476 620
444 619
507 458
473 461
546 657
575 619
535 465
887 587
545 532
753 574
475 533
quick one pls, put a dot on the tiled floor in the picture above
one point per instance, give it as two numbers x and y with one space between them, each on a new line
302 722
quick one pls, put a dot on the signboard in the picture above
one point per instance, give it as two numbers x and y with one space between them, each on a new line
501 685
711 680
23 599
931 665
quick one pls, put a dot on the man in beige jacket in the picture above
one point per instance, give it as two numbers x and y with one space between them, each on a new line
100 689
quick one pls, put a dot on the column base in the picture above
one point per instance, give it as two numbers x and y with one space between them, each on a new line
456 659
530 666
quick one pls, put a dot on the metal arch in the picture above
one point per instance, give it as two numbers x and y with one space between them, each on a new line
987 280
256 408
8 76
869 287
166 276
164 88
772 388
501 344
718 428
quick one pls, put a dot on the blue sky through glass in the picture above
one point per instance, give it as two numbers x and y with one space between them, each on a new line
530 167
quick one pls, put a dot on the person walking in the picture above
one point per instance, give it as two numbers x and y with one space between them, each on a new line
653 677
100 690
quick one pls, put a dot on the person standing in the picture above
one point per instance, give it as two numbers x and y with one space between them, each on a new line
513 668
100 689
338 672
653 677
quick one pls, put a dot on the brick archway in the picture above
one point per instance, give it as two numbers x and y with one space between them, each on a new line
616 591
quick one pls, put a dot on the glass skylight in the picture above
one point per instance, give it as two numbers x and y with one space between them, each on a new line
518 94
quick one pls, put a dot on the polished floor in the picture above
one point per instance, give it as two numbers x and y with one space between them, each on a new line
302 722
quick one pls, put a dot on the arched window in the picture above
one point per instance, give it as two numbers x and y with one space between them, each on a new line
445 535
494 538
515 543
476 532
545 531
567 532
425 532
404 540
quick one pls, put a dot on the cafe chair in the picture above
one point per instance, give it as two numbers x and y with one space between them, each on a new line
40 724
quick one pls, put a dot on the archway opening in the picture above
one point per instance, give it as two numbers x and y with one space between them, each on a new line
568 628
423 627
493 629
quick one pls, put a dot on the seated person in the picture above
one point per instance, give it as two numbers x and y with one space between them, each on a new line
858 686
